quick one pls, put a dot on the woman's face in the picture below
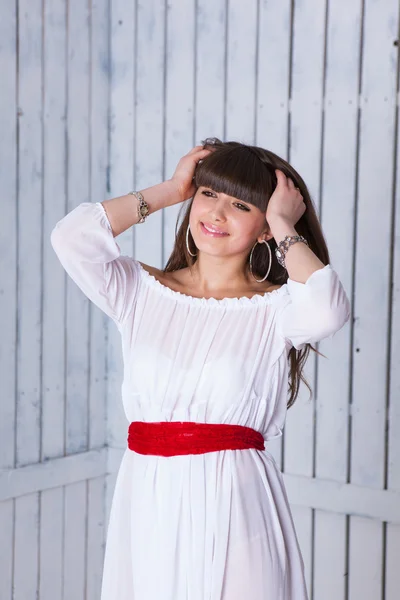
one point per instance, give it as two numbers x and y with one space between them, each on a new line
241 222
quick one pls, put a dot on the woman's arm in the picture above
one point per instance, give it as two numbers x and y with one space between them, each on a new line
300 260
122 211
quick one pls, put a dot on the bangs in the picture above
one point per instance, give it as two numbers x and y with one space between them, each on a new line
236 170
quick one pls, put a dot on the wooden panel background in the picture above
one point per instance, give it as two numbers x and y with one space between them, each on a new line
103 96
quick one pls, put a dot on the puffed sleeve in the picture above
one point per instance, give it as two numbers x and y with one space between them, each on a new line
313 310
86 248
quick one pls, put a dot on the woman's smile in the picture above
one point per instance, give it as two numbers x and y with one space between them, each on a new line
209 229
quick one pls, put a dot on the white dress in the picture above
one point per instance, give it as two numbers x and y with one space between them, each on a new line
213 526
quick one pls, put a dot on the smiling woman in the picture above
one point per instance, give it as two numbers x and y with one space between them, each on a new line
200 508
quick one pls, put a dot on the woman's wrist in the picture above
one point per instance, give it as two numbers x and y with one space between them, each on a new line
161 195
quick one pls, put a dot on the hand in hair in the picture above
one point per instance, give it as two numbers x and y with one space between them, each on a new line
184 172
286 203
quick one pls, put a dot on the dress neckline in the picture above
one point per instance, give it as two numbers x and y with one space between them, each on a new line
255 300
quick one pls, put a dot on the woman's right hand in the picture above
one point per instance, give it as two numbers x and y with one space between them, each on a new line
184 172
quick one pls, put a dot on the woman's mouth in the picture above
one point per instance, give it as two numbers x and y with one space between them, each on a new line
213 231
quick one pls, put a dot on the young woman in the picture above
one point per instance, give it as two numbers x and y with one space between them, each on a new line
210 345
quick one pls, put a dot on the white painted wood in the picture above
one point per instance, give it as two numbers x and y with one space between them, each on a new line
54 207
149 91
241 64
29 311
210 54
51 544
51 502
339 144
95 537
122 136
26 548
365 559
52 473
329 557
8 235
371 308
392 574
306 92
90 127
179 98
6 548
98 131
77 316
272 98
75 536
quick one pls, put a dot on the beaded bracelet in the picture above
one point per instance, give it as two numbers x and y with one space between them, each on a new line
284 246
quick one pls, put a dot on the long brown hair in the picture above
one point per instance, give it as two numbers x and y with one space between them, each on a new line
248 173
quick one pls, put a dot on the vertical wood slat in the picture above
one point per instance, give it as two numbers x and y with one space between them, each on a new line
371 308
179 97
241 71
272 101
29 271
343 48
305 133
8 279
122 134
53 321
210 70
78 310
149 121
392 548
192 112
99 156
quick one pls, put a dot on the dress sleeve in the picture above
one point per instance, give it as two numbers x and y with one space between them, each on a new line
85 246
314 310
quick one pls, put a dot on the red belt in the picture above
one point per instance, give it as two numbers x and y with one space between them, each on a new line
170 438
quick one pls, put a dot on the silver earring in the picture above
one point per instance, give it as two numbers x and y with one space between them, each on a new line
270 260
187 241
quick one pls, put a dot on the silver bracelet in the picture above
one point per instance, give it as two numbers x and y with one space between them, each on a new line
284 245
143 208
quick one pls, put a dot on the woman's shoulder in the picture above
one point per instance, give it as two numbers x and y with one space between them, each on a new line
179 281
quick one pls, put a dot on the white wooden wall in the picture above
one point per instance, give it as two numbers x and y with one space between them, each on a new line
103 96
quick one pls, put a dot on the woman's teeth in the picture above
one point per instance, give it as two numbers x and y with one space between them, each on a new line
209 231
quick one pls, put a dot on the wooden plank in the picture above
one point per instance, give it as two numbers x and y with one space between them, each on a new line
52 473
371 310
392 572
29 270
77 320
122 135
330 555
210 70
149 122
306 87
26 548
8 233
365 559
343 48
99 101
241 71
51 544
54 201
6 548
303 522
272 101
75 533
180 77
95 537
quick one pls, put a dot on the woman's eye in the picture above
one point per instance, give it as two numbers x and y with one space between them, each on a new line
242 206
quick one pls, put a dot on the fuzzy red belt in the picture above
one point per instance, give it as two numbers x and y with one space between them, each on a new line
170 438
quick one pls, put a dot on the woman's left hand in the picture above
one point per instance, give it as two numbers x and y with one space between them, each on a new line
286 203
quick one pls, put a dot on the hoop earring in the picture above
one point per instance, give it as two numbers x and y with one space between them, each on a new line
270 260
187 241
